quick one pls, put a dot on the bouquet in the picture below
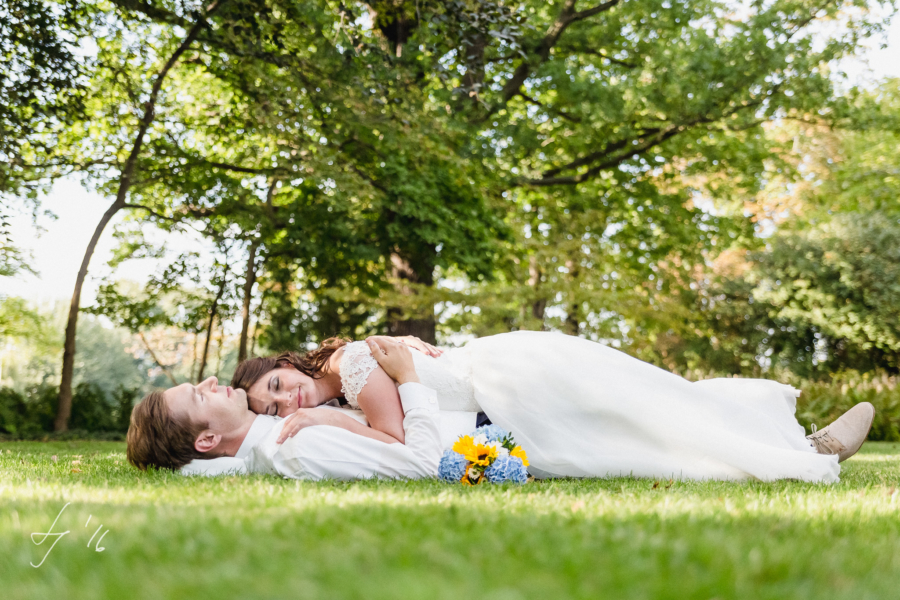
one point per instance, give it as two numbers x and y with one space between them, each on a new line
488 453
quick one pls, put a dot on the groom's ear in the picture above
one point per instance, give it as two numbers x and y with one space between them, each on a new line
206 441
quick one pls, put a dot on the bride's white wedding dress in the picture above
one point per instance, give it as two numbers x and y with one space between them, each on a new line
583 409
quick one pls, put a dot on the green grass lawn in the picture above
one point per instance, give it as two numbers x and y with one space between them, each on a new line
262 537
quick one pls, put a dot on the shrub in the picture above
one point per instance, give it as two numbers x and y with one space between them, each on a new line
30 414
821 403
27 415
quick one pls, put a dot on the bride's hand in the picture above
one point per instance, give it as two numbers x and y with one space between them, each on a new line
413 342
394 358
303 418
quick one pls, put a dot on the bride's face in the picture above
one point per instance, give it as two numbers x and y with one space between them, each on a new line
282 391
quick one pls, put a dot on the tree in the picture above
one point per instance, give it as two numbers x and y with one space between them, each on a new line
429 132
817 292
110 65
42 88
547 96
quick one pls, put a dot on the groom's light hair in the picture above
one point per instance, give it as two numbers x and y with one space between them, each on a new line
156 437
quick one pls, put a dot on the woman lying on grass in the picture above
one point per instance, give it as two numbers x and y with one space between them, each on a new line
336 370
578 408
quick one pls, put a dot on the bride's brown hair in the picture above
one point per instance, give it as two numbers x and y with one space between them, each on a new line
312 363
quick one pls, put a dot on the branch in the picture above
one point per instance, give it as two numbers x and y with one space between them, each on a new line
188 210
149 10
566 17
156 360
152 212
557 111
238 168
200 161
374 183
612 162
630 148
602 7
585 160
600 54
150 105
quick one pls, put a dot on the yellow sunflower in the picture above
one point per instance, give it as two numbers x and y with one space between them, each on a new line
518 452
476 454
464 445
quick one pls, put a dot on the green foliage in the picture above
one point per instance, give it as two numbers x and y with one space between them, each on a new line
107 356
27 414
42 81
17 319
42 85
474 138
560 165
134 314
30 414
841 283
813 302
819 293
822 402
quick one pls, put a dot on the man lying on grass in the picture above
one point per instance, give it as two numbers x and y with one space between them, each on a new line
171 428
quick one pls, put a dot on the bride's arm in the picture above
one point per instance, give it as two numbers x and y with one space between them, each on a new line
380 401
308 417
374 391
336 453
368 379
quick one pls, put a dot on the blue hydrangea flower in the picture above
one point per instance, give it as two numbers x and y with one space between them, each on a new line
453 466
493 433
506 468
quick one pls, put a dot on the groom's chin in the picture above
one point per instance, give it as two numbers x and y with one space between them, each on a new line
241 398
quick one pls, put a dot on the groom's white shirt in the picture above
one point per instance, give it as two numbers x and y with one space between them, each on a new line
325 452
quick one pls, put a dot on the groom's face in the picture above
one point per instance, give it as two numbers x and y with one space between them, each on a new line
223 407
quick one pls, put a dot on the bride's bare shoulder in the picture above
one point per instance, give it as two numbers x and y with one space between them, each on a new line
334 361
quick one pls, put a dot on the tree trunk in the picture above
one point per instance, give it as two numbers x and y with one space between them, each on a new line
194 357
249 281
422 327
64 405
573 322
205 355
255 329
219 343
538 305
473 79
394 22
213 311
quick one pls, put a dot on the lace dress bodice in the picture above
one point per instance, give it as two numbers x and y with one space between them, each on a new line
356 366
450 375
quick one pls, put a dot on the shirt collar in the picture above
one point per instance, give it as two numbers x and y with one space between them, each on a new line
261 427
